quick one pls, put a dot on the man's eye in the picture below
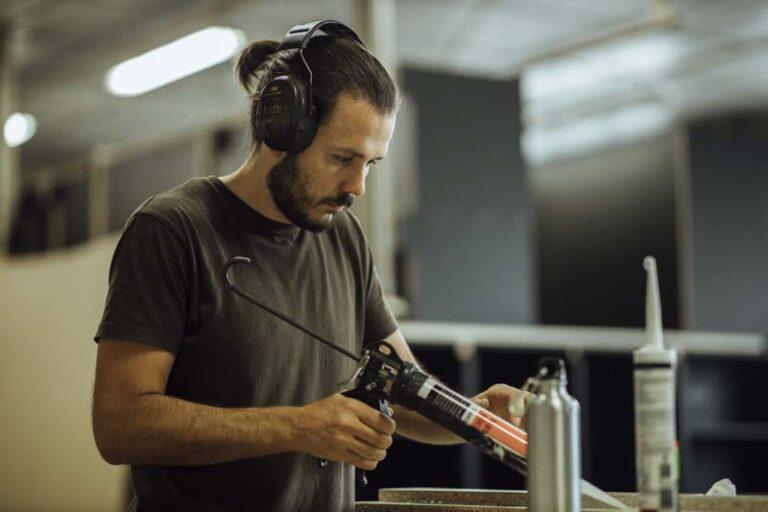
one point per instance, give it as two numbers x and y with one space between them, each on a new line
373 163
344 159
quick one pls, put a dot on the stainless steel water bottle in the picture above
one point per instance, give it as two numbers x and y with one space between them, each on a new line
554 460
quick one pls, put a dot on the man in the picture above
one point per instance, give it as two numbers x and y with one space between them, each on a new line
216 404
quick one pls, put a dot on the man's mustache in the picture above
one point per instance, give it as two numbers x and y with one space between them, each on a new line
343 200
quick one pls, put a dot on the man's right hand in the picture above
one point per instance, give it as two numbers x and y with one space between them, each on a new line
345 430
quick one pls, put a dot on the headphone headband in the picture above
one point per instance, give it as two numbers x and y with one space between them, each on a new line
299 36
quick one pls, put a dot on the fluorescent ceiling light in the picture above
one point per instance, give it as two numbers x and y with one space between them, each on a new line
19 128
541 145
587 73
174 61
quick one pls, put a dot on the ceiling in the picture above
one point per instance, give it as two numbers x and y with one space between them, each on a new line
715 58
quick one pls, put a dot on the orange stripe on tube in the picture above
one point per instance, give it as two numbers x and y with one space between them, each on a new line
501 431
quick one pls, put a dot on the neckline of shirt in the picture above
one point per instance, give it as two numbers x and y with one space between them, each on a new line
254 220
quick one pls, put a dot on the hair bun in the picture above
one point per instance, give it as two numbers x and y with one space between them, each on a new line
253 56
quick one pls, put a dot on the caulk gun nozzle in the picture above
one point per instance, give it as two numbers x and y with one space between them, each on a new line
653 327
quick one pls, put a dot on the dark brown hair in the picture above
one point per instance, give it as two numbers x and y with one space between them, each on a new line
338 66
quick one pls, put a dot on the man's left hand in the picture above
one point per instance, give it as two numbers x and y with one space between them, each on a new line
505 401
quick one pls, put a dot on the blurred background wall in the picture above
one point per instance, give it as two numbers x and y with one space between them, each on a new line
543 149
473 219
48 306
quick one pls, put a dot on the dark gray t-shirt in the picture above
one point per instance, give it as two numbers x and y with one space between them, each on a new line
166 288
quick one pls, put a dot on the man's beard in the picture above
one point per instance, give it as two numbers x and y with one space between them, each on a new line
289 187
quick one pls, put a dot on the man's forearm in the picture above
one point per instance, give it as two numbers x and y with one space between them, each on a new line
165 430
415 426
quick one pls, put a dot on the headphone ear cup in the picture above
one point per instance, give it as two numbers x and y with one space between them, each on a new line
284 119
305 132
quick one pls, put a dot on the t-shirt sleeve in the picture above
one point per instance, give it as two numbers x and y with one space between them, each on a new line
149 286
379 320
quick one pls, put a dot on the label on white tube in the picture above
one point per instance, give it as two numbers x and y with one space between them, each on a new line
655 438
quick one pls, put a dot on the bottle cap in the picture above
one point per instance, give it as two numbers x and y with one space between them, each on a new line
551 367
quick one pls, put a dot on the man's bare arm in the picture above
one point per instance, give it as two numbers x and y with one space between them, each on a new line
134 422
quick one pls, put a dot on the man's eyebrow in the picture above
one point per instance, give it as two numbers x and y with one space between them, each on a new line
354 152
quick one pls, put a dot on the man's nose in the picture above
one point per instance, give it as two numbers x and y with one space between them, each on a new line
354 182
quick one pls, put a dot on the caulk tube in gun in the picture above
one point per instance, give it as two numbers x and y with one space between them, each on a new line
492 434
654 376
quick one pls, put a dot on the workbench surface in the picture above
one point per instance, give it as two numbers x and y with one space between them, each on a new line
480 500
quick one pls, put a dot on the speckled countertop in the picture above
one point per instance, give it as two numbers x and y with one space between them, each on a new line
468 500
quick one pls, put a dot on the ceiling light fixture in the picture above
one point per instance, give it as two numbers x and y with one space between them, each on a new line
544 144
174 61
19 128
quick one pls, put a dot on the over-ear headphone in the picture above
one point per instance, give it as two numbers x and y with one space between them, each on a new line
286 113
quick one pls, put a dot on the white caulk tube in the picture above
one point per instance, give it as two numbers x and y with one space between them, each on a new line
655 435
